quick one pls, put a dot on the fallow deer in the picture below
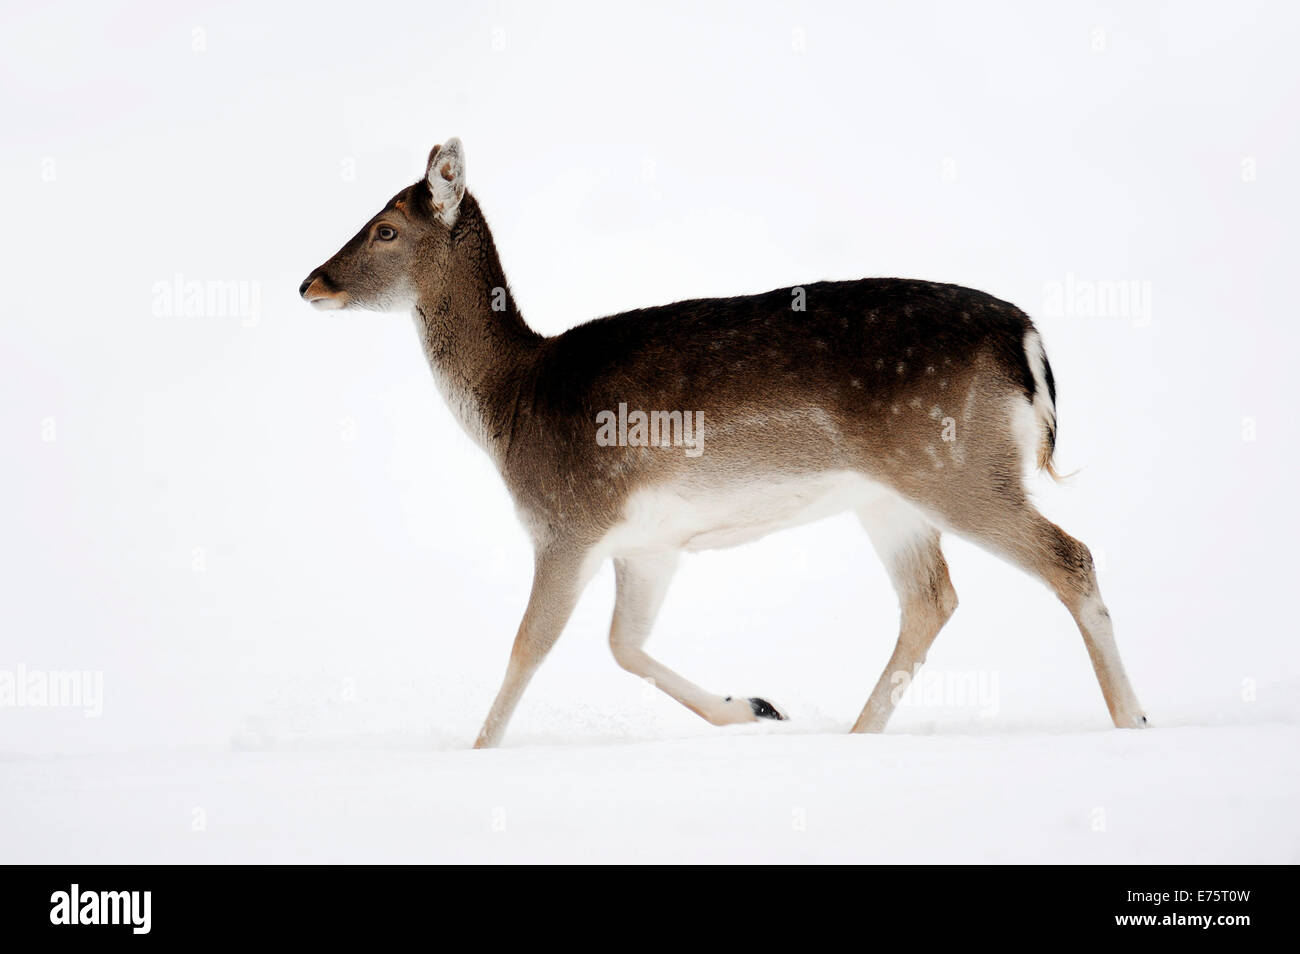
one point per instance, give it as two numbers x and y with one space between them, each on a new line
922 407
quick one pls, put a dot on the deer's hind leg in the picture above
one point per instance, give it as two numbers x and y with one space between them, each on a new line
908 544
1016 531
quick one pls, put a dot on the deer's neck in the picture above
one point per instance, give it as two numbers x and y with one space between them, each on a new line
477 343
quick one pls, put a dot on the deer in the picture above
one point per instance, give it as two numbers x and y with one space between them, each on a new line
923 408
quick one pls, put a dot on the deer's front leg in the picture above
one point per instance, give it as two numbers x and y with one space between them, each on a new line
558 578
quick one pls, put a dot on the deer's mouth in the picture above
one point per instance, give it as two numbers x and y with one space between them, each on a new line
330 302
317 293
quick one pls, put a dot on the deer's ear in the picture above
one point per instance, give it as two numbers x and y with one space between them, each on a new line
446 178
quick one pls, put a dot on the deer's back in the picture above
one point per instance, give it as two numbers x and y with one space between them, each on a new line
885 332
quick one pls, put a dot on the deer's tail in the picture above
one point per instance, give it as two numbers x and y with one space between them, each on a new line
1043 400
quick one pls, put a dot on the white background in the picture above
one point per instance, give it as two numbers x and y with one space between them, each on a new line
300 580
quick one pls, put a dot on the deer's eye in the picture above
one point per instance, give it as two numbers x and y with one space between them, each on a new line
386 233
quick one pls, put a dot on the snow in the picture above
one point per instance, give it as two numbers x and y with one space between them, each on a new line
261 531
598 767
1184 795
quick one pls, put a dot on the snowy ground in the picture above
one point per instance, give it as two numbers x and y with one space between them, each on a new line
1188 795
600 767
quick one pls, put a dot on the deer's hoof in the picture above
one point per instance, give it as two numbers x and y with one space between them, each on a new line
765 710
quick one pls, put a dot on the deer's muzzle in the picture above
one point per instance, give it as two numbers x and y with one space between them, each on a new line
316 291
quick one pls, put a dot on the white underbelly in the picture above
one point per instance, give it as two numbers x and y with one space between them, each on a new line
692 518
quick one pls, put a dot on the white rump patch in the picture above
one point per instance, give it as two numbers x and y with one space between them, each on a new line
1027 430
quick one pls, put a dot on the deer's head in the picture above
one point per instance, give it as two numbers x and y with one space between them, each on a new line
411 235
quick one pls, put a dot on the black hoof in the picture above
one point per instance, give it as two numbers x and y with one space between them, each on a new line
765 710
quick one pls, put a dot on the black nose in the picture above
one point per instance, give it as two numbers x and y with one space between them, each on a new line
302 289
